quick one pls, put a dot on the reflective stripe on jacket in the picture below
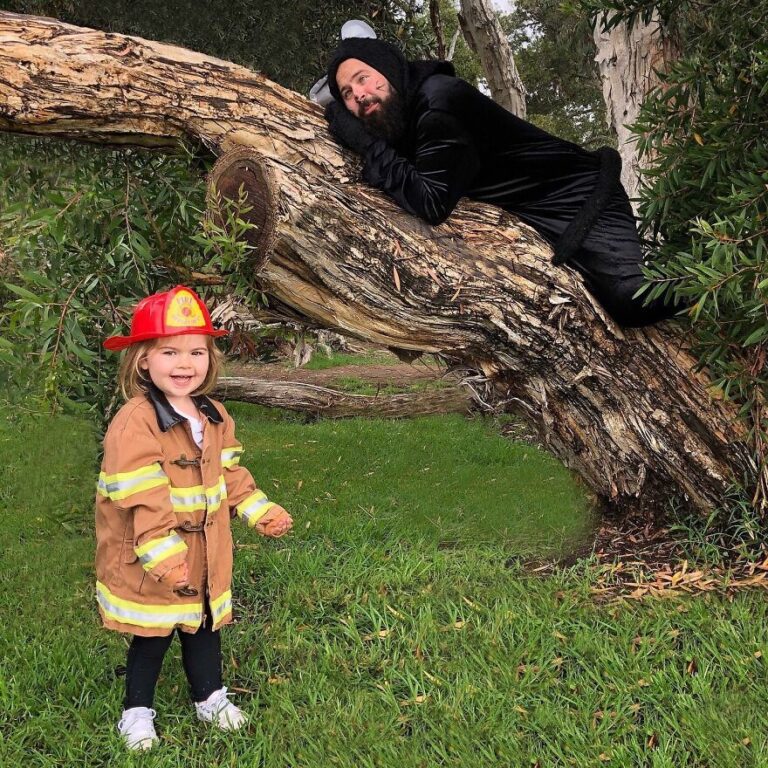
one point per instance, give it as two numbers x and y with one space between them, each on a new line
161 501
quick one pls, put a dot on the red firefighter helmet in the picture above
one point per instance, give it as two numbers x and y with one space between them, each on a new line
171 313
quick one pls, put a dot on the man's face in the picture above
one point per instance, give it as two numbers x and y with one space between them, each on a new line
363 89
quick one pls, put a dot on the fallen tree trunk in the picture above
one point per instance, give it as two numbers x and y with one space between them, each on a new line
622 408
333 403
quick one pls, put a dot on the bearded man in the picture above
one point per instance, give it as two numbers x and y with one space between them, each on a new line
429 138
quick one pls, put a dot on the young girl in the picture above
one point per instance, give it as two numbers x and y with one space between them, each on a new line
169 481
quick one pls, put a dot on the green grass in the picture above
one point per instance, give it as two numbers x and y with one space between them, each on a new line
321 361
434 480
360 642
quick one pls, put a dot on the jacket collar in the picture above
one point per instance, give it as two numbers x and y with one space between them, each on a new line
167 417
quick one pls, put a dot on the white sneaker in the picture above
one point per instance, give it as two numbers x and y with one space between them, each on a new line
136 727
220 711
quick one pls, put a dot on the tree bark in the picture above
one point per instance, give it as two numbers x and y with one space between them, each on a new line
484 35
333 403
629 61
437 27
625 409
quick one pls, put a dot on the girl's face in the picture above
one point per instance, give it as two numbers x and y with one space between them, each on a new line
177 365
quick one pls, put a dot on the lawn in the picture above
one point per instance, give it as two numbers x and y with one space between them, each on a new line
389 629
321 361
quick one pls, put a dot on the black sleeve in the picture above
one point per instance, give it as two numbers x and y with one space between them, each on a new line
445 162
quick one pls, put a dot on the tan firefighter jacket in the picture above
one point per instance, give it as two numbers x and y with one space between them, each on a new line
162 500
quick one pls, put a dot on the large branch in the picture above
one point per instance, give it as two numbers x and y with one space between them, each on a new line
336 404
624 409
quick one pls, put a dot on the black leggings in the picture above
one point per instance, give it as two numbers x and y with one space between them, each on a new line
200 654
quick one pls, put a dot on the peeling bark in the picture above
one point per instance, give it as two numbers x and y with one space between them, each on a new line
622 408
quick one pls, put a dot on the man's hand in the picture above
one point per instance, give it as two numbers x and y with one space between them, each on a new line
347 129
275 523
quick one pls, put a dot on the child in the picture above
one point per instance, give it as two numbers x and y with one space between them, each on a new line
169 481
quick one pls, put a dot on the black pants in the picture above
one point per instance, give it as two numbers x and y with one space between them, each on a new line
610 260
610 256
200 654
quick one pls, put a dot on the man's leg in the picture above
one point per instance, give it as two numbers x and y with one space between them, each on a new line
610 259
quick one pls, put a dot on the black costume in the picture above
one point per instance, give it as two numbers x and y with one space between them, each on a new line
457 142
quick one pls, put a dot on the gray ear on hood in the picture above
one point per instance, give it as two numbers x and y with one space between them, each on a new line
320 93
357 28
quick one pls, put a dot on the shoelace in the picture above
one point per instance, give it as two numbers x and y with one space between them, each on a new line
218 702
132 717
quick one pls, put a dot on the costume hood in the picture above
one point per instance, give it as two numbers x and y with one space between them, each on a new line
382 56
419 71
386 58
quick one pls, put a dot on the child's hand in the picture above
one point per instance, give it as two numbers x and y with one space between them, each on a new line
275 523
178 576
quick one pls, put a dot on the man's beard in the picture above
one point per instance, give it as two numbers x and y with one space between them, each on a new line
388 121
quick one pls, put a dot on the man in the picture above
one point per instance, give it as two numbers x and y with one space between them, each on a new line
428 138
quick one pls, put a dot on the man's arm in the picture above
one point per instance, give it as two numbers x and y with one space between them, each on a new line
444 163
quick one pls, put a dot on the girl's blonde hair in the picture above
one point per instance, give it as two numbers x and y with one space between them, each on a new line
133 381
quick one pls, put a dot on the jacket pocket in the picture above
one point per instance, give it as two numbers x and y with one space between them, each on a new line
127 552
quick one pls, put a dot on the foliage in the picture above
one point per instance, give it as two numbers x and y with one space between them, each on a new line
554 53
89 233
730 533
356 647
705 195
